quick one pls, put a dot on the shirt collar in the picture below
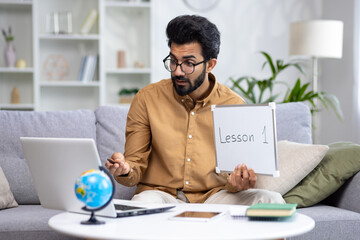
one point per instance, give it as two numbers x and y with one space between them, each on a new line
213 81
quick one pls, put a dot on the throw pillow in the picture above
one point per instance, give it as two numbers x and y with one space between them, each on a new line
7 199
296 160
340 163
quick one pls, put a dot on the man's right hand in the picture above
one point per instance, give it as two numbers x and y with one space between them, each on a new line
120 167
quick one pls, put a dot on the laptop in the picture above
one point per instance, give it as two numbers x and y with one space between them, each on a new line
55 164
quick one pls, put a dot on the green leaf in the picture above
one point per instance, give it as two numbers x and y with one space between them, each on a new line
271 64
238 87
302 91
296 89
264 64
334 103
240 90
282 67
308 95
296 65
279 65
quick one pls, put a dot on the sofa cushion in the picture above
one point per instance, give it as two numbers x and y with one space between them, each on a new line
340 163
110 138
28 222
293 122
296 160
16 124
331 223
7 199
347 196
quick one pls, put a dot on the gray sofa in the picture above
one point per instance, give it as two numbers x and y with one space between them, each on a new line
336 218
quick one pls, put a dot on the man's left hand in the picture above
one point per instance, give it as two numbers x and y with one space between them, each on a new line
242 178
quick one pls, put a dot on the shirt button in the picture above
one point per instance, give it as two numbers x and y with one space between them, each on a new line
188 159
190 136
187 182
192 113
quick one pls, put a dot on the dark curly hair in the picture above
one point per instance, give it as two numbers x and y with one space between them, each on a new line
192 28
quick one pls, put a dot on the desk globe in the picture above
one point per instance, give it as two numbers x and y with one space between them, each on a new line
95 188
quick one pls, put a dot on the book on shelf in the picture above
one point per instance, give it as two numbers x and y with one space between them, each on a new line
271 210
82 66
89 21
92 68
88 68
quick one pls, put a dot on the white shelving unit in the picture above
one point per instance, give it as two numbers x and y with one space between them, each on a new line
63 91
129 70
70 84
70 37
121 25
17 15
126 26
16 70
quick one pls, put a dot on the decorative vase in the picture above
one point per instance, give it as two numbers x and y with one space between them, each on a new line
10 54
15 96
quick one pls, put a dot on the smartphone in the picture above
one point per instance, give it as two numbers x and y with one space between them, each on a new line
197 216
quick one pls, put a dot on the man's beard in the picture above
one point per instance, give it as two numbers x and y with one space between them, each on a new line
183 90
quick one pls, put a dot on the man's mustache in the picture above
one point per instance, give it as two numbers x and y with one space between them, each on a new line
182 78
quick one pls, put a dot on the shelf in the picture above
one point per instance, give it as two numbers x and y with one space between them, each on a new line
127 4
69 37
16 70
28 106
16 2
129 71
69 84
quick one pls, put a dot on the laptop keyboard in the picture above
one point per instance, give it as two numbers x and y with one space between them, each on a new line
125 207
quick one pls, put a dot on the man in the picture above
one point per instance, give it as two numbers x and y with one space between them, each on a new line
169 150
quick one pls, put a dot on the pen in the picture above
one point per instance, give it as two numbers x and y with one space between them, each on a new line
111 161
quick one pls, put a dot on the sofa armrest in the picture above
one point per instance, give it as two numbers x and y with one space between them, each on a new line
347 197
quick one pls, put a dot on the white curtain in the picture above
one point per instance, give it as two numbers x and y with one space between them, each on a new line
356 118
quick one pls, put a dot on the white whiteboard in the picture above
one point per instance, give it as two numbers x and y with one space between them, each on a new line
246 133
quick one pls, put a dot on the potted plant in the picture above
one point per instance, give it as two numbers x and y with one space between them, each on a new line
127 94
9 52
256 91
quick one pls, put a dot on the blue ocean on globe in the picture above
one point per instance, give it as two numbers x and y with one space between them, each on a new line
94 188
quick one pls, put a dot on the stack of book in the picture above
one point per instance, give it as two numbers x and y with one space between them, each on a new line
88 67
271 210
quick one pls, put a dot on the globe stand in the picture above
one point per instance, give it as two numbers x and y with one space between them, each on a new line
92 220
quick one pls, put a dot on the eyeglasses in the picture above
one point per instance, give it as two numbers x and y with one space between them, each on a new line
187 67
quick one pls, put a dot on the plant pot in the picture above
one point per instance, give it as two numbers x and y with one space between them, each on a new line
126 99
10 54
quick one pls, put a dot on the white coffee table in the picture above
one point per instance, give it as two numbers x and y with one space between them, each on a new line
158 226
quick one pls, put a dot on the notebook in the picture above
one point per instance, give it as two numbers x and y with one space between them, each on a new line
264 211
55 164
271 210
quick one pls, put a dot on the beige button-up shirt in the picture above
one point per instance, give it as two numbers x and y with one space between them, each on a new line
170 141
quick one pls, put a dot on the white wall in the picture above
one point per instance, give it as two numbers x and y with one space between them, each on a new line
337 76
250 26
246 27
